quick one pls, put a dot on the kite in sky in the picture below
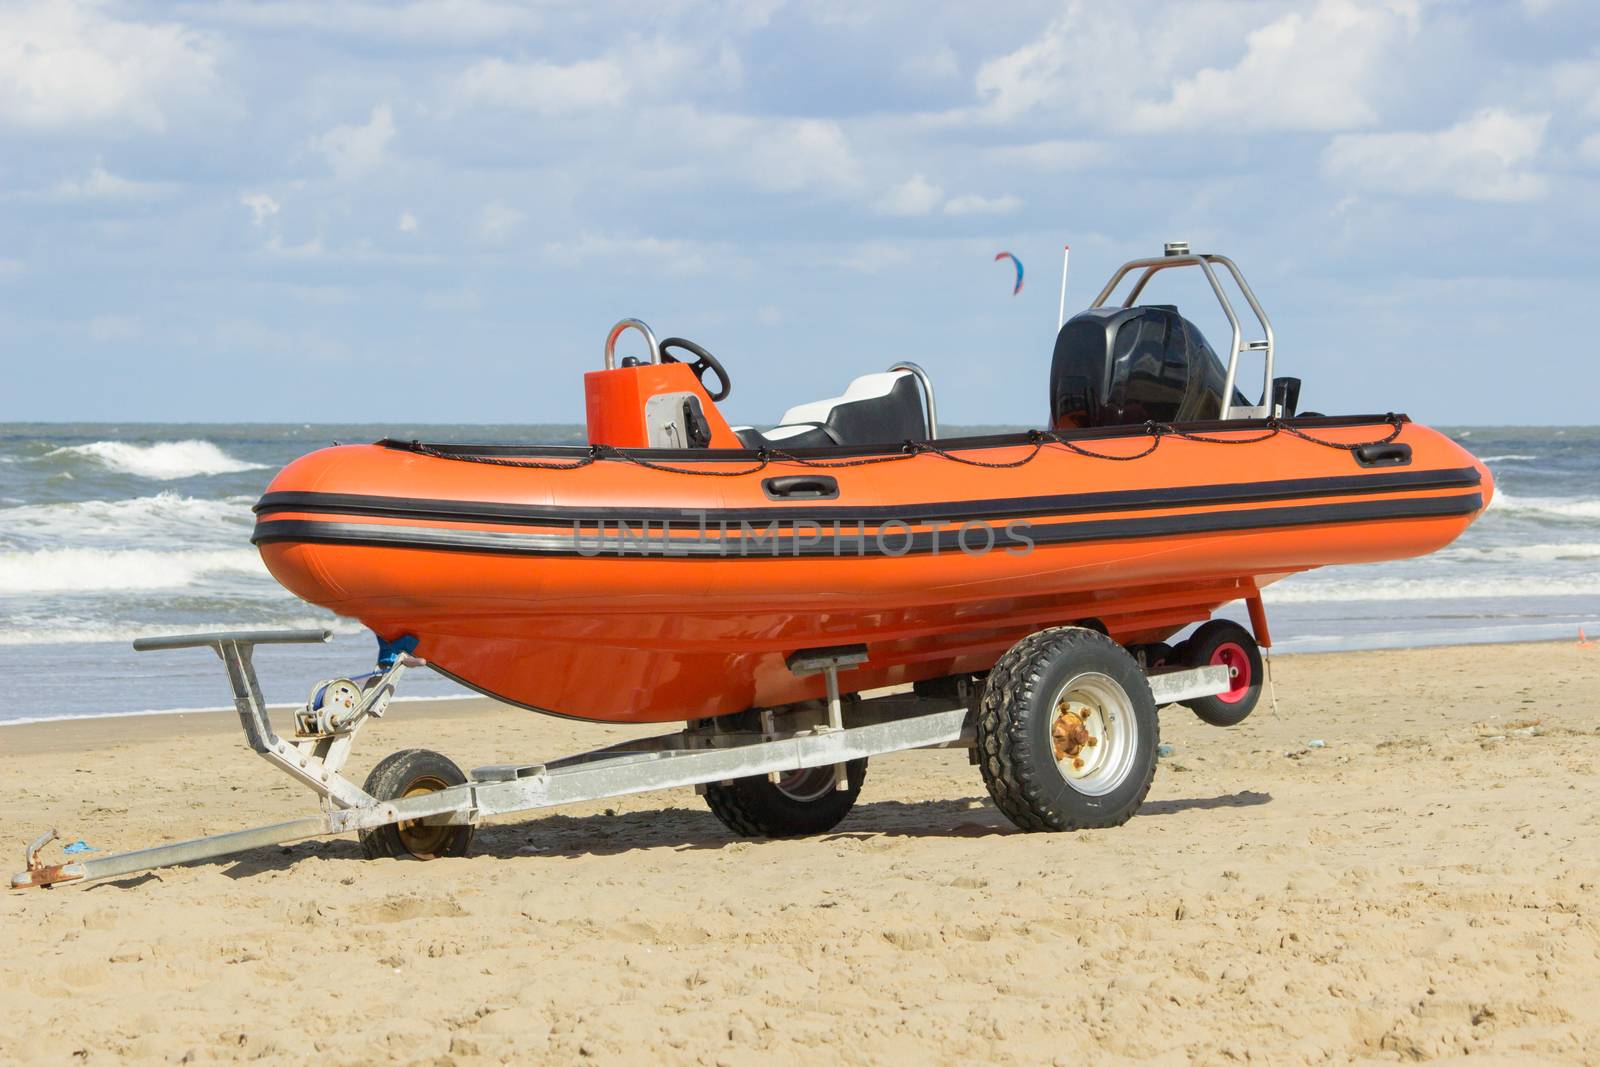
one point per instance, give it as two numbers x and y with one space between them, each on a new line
1007 255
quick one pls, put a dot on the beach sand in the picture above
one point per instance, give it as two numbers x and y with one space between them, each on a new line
1425 887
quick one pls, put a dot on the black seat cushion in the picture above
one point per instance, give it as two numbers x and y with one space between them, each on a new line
814 436
887 419
880 420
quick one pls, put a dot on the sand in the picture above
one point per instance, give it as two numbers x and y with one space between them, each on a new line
1424 887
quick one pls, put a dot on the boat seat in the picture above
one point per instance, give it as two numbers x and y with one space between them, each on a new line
876 409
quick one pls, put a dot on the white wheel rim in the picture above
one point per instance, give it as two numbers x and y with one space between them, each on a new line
807 785
1093 733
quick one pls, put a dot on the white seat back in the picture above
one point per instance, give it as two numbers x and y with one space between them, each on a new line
866 387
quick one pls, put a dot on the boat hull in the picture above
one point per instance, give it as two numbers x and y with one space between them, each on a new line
518 580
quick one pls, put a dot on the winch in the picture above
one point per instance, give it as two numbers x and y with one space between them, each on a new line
336 703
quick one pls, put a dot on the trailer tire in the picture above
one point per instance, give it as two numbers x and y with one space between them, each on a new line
1224 643
1083 684
410 772
802 804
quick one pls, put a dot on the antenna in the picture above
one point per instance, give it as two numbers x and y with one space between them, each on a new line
1061 316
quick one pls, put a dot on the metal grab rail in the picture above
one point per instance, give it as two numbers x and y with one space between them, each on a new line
618 330
241 637
931 409
1177 254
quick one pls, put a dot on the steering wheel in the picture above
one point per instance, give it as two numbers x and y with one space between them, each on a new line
704 360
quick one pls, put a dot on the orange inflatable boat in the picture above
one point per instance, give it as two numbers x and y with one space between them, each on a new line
681 569
669 570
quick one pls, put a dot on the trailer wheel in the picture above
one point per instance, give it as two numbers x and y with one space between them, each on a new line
1067 732
798 804
408 773
1223 643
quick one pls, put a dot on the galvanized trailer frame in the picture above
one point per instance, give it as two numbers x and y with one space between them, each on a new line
822 734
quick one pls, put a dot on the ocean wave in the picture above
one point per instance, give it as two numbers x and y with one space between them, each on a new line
1510 457
1573 551
163 461
1391 589
162 517
97 570
1566 508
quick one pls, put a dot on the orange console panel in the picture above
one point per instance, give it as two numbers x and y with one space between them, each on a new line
653 405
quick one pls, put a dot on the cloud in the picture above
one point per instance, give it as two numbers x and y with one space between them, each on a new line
354 151
262 207
66 63
544 88
114 329
1576 82
645 89
873 257
936 65
429 21
671 256
914 196
1141 65
535 137
319 295
981 205
497 221
251 335
101 184
791 154
1056 155
641 68
1589 150
1315 70
773 154
918 196
458 301
1083 64
1486 156
310 249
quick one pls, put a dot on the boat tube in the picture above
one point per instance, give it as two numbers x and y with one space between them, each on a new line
670 569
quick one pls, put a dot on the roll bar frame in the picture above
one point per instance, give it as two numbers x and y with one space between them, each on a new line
1177 254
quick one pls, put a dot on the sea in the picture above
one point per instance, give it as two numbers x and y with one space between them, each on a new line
109 532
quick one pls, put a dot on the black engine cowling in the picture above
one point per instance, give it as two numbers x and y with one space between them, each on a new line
1120 366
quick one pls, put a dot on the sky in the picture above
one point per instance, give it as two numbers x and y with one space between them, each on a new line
288 210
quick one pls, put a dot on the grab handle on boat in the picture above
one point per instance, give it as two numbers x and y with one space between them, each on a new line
1390 455
617 331
802 487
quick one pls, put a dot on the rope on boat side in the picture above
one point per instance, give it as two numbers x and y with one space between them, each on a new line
765 457
1394 420
533 464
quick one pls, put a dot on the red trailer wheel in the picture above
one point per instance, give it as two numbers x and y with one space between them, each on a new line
1220 643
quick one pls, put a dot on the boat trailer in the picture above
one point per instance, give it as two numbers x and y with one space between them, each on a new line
709 754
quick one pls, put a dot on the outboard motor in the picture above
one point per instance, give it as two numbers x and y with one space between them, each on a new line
1121 366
